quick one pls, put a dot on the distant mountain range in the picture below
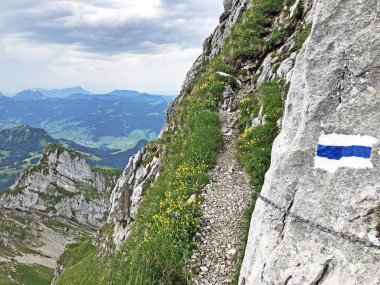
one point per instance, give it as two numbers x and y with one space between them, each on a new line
29 95
106 128
40 93
21 147
117 120
61 93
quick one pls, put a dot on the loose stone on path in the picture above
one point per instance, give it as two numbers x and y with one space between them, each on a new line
224 202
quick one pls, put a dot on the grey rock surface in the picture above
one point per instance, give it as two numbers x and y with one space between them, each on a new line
125 199
334 89
57 186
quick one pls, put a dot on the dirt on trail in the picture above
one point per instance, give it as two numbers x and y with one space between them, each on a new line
225 199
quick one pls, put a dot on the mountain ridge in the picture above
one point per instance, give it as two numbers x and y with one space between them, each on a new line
29 95
22 146
41 93
61 93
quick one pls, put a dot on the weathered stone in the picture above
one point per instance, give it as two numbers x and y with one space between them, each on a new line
128 193
56 187
230 254
334 89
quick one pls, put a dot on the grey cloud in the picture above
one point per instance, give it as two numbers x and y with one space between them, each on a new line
182 23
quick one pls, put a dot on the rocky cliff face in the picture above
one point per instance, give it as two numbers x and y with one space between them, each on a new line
62 184
141 171
318 220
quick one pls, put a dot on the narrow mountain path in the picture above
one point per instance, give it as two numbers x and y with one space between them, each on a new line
224 202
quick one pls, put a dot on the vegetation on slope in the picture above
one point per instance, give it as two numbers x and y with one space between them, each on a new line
23 234
160 244
254 147
25 274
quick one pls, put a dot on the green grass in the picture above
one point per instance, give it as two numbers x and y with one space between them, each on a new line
34 274
247 41
289 2
302 37
74 251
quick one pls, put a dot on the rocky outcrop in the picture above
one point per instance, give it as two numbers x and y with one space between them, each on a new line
62 184
314 226
211 47
141 171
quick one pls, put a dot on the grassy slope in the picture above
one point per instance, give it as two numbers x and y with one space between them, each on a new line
160 244
25 274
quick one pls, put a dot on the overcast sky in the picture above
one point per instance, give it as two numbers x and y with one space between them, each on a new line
101 45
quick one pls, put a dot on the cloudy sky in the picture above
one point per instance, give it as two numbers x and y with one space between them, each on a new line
101 45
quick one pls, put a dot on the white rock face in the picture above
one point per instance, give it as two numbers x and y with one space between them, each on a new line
335 88
125 200
57 185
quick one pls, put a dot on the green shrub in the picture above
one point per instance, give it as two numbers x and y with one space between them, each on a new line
302 37
289 3
247 38
277 36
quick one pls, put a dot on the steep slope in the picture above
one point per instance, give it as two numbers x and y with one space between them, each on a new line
154 225
318 222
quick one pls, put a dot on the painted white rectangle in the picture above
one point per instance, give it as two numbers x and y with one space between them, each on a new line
333 165
346 140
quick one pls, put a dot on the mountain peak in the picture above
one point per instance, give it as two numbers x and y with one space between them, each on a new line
62 93
24 136
29 95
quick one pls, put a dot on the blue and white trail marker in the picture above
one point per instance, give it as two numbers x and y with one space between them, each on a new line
335 151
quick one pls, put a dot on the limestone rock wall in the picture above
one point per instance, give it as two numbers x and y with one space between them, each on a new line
125 200
62 184
334 90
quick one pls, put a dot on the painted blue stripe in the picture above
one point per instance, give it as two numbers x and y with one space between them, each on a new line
337 152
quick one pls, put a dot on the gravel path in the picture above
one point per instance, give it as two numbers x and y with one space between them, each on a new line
225 200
